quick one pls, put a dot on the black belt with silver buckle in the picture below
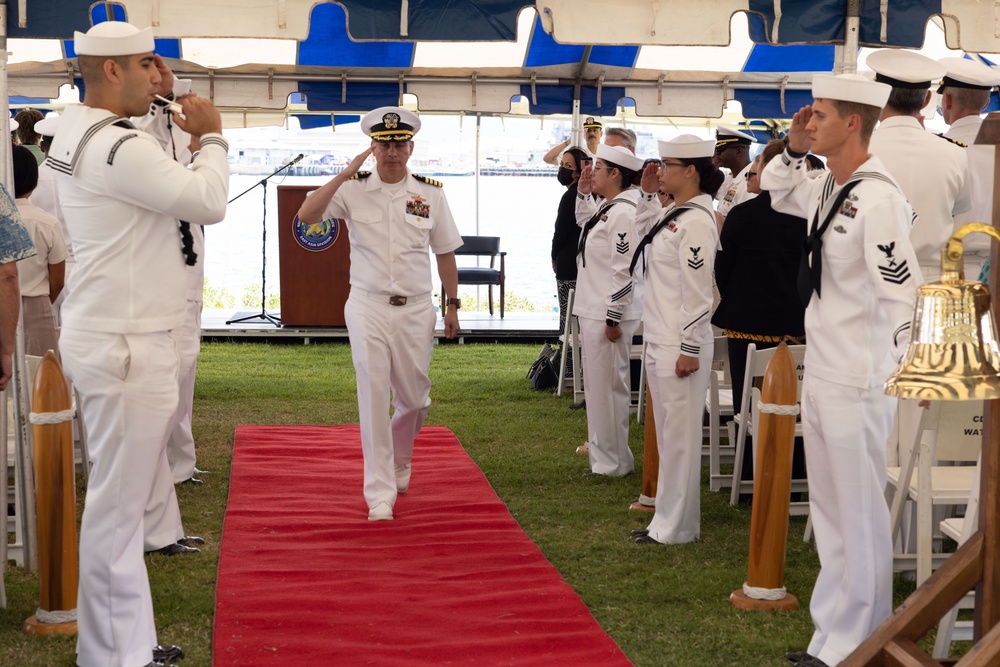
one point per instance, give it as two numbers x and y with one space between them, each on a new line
396 300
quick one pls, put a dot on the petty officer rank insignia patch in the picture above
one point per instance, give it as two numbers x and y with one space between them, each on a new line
893 271
428 181
695 262
622 245
418 206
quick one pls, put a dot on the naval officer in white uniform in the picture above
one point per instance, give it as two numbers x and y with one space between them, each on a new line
123 199
965 93
608 304
394 217
864 273
932 171
678 251
732 153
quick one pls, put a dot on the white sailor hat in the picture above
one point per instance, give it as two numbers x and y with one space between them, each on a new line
687 146
590 123
49 125
619 156
904 69
390 124
113 38
14 125
726 136
850 88
965 73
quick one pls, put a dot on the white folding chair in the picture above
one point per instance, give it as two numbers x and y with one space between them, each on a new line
748 418
571 346
719 405
957 426
960 529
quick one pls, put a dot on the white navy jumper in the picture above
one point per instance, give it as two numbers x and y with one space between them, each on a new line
857 330
676 320
734 192
605 291
123 198
390 313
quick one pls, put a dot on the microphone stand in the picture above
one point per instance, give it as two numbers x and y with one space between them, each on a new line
263 314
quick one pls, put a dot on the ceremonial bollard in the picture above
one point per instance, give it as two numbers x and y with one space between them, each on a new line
55 493
765 585
650 458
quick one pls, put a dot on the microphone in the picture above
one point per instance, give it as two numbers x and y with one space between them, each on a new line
297 159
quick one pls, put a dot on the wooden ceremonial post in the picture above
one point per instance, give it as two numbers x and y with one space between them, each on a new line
772 486
977 562
650 457
55 493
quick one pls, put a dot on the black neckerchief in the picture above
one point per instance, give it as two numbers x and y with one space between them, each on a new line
657 228
581 248
810 276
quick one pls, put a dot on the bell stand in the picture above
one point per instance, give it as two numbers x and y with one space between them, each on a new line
976 564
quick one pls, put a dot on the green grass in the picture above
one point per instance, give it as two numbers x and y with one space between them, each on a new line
663 605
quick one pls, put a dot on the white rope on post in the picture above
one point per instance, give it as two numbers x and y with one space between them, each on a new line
58 616
775 409
48 418
764 593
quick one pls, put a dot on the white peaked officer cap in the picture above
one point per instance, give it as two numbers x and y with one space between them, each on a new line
965 73
113 38
725 136
620 157
14 125
851 88
390 124
904 69
688 147
49 125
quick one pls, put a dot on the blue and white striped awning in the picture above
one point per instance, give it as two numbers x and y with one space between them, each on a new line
665 58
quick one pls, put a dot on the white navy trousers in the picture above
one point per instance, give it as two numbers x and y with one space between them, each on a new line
391 347
128 390
678 410
608 394
845 429
180 446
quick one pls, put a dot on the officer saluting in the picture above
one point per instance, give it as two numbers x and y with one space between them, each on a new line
862 268
395 216
123 199
732 151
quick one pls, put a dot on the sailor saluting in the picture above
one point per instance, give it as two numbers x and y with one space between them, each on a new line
123 199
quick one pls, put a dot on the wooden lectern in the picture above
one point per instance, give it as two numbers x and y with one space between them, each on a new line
314 263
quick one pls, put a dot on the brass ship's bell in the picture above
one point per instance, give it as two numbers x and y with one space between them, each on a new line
953 353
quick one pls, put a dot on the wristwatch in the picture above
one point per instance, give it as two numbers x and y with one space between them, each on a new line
610 322
455 302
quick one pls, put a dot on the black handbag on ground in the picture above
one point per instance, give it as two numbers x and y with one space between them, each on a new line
543 374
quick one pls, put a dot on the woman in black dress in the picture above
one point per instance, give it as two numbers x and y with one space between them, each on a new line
567 232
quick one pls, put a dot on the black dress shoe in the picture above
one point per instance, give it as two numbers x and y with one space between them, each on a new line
193 480
167 654
188 540
593 474
582 405
175 549
803 659
639 532
646 539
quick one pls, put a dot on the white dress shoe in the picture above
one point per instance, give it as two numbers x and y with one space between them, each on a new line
381 512
403 477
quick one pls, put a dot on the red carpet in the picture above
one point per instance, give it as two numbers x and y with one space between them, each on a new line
306 579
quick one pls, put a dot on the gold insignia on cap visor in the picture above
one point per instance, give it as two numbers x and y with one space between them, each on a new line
391 121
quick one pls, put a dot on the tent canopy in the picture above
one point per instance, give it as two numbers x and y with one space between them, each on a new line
667 57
